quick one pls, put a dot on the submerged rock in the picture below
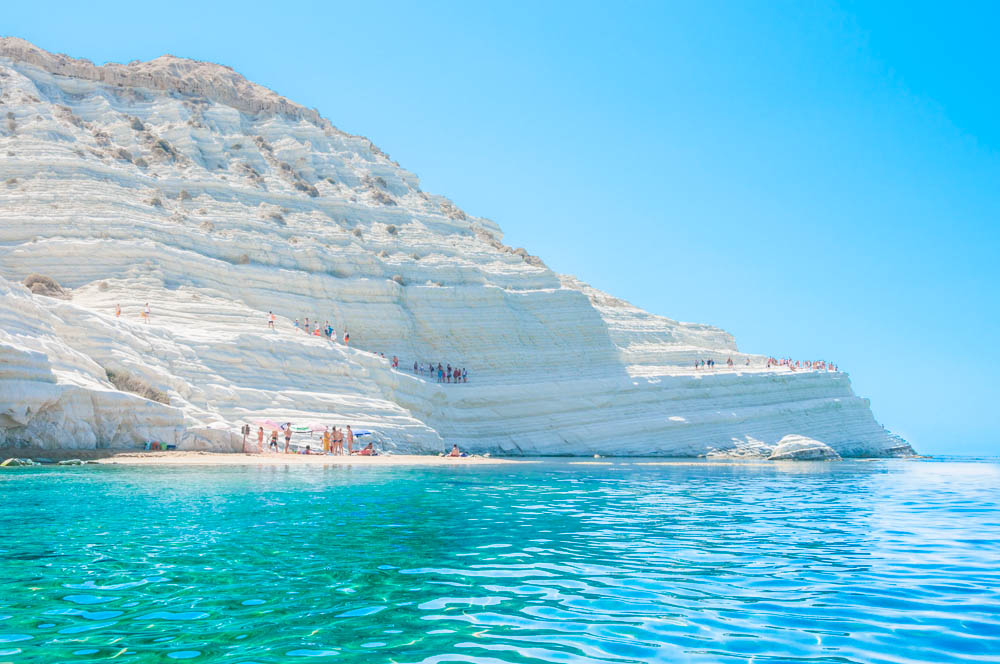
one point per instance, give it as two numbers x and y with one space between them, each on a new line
799 448
71 462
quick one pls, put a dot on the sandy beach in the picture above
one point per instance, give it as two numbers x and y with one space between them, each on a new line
190 458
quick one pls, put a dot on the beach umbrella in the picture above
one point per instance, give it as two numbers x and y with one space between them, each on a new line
362 432
270 424
316 426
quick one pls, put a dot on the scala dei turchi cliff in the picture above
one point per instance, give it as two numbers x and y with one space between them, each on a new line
183 185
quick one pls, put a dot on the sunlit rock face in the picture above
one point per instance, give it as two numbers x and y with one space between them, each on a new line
181 184
800 448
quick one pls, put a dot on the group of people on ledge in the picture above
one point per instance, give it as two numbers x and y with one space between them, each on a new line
796 365
793 365
445 374
314 329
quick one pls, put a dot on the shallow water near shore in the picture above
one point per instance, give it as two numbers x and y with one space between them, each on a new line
876 561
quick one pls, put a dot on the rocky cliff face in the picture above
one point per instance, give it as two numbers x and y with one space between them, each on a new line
183 185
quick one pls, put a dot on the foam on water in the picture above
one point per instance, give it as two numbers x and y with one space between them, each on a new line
888 561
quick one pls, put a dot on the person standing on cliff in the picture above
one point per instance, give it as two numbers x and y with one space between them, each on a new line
270 319
118 311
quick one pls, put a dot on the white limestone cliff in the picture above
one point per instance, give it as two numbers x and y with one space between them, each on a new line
181 184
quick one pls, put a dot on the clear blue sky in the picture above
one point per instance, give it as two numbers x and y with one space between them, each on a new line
822 180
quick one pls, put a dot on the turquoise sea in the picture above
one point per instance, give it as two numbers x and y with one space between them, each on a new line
860 561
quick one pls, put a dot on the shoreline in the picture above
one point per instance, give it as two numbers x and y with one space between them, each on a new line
198 458
128 457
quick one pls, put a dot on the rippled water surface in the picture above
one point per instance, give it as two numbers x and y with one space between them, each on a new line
884 561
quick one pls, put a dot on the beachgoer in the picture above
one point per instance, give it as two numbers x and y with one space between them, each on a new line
367 450
338 441
326 441
260 440
270 319
316 331
350 440
465 375
288 436
347 338
146 312
118 311
274 441
296 323
308 450
416 367
455 452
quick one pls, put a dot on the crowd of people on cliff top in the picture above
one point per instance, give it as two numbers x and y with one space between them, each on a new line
793 365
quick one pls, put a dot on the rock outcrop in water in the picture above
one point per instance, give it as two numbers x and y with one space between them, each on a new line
800 448
181 184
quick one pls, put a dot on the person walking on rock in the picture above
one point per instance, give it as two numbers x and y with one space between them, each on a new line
270 319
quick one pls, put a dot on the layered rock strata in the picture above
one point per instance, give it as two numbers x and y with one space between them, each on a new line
181 184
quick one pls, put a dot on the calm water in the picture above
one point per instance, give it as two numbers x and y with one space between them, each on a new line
555 562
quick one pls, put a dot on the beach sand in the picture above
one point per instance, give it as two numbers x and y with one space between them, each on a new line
187 458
